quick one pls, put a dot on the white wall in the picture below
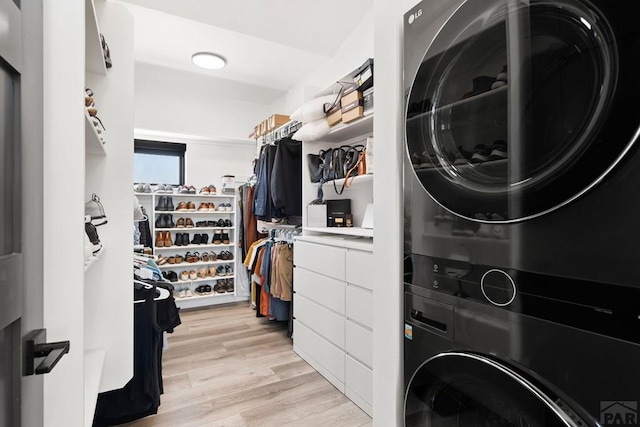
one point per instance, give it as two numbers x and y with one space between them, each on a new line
186 103
208 158
353 52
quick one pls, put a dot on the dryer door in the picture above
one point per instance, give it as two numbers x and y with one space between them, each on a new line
519 107
469 390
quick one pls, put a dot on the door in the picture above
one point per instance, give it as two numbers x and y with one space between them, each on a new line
520 107
468 390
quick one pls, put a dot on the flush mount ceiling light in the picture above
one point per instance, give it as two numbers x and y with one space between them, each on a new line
208 60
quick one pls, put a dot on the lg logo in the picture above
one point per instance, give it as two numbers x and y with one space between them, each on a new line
415 16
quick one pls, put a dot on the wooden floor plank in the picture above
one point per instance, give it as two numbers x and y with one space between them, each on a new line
226 367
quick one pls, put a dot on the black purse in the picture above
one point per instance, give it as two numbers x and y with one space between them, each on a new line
316 166
352 155
333 164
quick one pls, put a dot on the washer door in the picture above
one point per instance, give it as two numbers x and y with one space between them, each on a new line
469 390
520 107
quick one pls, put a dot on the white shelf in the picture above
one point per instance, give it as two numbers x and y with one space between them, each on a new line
192 212
348 231
358 179
94 258
94 57
345 131
184 230
206 279
179 248
211 295
142 194
185 265
92 142
93 367
204 196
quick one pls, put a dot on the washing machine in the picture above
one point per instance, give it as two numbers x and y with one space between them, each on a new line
522 199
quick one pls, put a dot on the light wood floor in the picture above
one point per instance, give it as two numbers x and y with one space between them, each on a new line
225 367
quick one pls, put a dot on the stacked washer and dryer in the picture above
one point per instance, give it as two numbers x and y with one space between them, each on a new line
522 213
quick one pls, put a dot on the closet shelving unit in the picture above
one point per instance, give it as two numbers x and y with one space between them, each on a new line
108 170
361 190
150 201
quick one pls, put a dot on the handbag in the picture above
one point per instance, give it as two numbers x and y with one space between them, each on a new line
315 163
359 153
333 164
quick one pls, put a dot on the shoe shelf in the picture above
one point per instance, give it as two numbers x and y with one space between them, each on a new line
200 279
196 296
92 142
93 45
179 248
356 179
195 195
194 229
347 231
193 212
185 265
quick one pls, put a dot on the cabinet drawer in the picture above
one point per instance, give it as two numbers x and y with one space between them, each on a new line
359 382
321 352
322 259
325 323
359 305
321 289
359 268
359 342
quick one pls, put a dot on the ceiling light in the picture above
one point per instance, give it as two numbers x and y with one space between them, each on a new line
208 60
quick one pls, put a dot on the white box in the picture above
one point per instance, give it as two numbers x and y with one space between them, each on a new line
316 215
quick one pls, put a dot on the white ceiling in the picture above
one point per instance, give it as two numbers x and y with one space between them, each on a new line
269 44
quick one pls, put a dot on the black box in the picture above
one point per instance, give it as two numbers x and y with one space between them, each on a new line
363 76
337 212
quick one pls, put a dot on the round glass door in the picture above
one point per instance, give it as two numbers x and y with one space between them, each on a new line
468 390
517 107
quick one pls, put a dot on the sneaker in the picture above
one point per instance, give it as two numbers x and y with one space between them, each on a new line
181 293
189 223
193 275
180 223
498 150
202 272
212 189
211 207
191 189
480 154
229 208
204 190
147 188
204 207
229 286
228 270
212 271
184 276
183 189
139 188
220 223
220 271
218 288
220 207
191 206
227 223
168 189
188 293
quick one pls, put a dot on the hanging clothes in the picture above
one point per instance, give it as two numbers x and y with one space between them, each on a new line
286 178
264 208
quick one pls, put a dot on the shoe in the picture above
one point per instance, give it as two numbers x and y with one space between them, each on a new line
189 223
188 293
180 223
170 206
147 188
161 261
196 239
168 189
202 272
220 271
205 257
159 239
193 275
212 271
201 224
172 276
183 190
211 223
203 290
191 207
204 207
498 150
211 207
213 256
220 223
139 188
185 239
191 189
220 207
167 239
170 222
228 270
225 238
229 255
218 288
178 240
204 238
217 237
179 259
161 222
181 292
163 204
480 154
171 260
223 256
182 207
184 276
204 190
227 223
228 207
229 286
212 189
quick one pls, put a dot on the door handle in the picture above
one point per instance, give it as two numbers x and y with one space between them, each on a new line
35 347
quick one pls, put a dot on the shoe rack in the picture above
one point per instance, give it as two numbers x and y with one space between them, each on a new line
108 290
151 201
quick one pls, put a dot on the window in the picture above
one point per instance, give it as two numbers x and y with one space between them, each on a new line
156 162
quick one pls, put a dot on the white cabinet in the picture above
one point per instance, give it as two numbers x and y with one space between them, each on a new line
333 329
